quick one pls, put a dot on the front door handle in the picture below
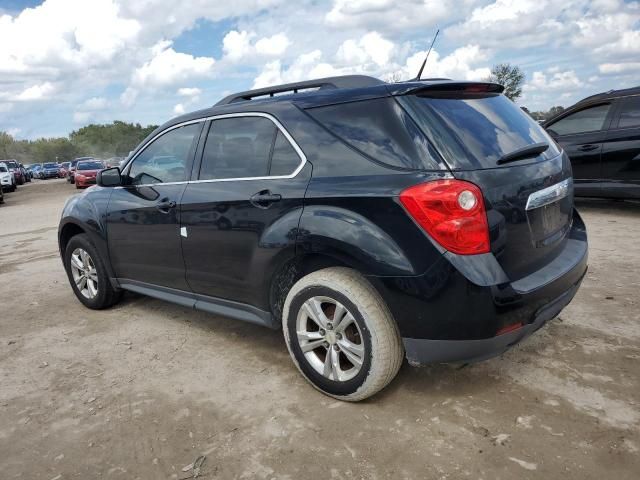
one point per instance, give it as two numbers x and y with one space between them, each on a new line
264 199
588 148
166 207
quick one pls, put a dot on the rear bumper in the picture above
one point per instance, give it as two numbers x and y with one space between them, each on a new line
457 310
424 351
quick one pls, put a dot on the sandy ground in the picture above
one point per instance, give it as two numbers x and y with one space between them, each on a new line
143 389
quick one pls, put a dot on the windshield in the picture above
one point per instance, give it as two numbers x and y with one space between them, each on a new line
474 131
89 166
3 168
12 164
50 165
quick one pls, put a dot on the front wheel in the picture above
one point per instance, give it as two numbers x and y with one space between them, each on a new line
87 274
341 335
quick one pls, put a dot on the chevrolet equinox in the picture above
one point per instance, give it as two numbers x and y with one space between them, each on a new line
370 221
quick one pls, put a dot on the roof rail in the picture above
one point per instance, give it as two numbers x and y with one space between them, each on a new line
346 81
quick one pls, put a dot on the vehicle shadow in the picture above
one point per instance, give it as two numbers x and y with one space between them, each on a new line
605 205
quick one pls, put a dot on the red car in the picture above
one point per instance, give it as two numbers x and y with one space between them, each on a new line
64 169
86 171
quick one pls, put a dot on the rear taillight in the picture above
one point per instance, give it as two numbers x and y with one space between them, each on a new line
452 212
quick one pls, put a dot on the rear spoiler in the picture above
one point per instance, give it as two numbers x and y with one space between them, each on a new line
417 88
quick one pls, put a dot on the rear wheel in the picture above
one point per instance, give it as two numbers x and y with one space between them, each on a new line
341 335
88 275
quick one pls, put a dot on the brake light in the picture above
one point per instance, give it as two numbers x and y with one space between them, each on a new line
452 212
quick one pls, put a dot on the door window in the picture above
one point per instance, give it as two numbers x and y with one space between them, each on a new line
629 112
246 147
165 159
284 159
588 120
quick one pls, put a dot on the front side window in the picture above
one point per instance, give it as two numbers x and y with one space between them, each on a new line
588 120
166 158
629 112
246 147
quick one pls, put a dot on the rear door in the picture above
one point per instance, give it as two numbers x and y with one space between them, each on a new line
529 200
581 134
143 216
240 216
621 150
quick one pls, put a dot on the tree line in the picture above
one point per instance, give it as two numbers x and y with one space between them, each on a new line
116 139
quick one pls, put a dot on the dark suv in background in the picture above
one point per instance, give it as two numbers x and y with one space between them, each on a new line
601 135
369 221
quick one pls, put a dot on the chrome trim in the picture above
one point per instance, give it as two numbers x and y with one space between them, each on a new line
550 194
296 147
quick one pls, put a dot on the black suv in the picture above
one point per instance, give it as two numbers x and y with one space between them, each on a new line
369 221
601 135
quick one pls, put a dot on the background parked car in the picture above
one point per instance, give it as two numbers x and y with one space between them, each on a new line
63 169
14 168
72 168
86 171
7 178
1 195
49 170
36 170
601 135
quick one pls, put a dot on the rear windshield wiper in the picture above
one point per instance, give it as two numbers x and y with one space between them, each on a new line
529 151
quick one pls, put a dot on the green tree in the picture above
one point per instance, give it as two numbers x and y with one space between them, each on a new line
510 76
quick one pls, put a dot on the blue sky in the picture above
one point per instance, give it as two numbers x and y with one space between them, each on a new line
67 63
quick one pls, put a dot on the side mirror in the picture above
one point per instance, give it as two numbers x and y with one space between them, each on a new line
109 177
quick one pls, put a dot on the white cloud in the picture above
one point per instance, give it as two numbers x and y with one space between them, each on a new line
36 92
553 80
189 92
82 117
306 66
371 47
391 15
94 103
238 45
464 63
273 46
178 109
617 68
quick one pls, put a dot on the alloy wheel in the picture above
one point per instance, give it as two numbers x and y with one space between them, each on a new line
330 338
84 273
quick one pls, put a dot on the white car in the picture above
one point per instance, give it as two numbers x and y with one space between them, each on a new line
7 178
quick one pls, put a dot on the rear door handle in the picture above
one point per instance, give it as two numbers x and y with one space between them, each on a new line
588 148
264 199
166 207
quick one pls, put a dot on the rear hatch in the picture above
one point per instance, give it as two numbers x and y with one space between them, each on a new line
525 179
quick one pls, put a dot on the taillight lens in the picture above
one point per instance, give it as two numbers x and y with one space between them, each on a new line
452 212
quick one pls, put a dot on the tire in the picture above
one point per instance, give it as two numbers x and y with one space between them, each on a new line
13 187
370 334
105 295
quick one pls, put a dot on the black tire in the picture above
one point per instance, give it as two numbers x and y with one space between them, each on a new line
376 334
13 188
106 295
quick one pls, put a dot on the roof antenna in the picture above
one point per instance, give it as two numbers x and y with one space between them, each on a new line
427 57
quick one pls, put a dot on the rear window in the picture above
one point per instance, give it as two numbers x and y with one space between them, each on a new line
90 166
475 130
381 130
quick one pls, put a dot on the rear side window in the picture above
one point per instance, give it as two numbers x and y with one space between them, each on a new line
284 159
588 120
237 148
380 129
246 147
629 112
473 130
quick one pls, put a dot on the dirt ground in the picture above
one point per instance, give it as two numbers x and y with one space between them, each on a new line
141 390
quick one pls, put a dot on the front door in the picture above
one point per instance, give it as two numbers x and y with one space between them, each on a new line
240 217
143 224
581 134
